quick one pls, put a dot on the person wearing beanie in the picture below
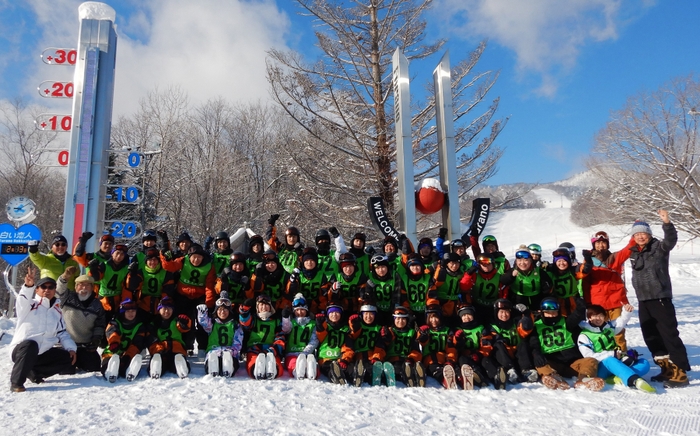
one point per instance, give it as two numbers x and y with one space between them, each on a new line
446 289
127 336
481 287
55 262
149 283
271 277
604 285
40 326
225 337
168 347
427 252
335 352
196 285
309 280
657 314
347 285
103 253
84 316
403 350
566 279
438 353
110 277
264 342
302 341
417 280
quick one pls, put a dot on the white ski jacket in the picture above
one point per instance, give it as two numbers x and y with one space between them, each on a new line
40 321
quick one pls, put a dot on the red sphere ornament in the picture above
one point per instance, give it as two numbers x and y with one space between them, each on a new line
429 197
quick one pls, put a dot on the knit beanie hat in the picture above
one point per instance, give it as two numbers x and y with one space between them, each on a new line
641 227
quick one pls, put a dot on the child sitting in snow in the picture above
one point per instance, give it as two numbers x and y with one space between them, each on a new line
126 338
168 349
264 337
439 354
335 352
597 340
225 337
301 342
403 350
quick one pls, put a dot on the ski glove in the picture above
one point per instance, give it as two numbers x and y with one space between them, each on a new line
202 309
33 246
334 232
183 322
343 364
163 235
273 219
286 312
460 337
85 236
354 322
134 267
423 334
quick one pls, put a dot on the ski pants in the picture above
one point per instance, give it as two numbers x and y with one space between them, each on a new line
28 362
188 306
88 359
611 366
660 331
484 371
521 361
168 359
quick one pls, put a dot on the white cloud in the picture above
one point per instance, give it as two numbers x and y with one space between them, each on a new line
210 49
546 35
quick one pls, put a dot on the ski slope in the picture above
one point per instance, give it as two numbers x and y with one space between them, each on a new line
87 404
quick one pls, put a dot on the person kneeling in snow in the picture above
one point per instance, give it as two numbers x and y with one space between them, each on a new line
335 352
301 342
264 337
225 338
126 338
168 350
40 326
597 340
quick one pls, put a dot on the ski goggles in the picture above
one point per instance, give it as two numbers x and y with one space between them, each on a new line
549 305
379 259
484 260
600 236
488 239
523 254
225 302
535 248
561 252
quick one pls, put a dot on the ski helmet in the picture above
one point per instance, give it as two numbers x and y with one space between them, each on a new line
322 235
600 236
569 246
400 312
489 240
347 259
379 259
221 236
457 243
466 310
149 235
368 308
535 249
502 304
237 257
292 231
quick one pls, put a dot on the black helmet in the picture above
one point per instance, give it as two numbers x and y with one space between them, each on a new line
220 236
361 236
149 234
256 239
322 235
238 257
502 304
456 244
347 258
292 231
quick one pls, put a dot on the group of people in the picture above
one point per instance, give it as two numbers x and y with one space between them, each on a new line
353 313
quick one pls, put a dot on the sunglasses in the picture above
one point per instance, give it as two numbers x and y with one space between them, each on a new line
48 286
60 244
523 255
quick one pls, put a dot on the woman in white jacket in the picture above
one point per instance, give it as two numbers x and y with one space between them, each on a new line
40 327
597 340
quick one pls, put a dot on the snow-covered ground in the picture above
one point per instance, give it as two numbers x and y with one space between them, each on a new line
86 404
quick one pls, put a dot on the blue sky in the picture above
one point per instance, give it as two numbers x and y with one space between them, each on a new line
564 65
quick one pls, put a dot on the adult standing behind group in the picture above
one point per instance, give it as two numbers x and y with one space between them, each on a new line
40 326
657 315
55 262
